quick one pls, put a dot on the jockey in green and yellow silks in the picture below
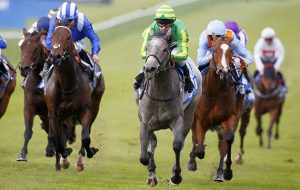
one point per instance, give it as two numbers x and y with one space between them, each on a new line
165 19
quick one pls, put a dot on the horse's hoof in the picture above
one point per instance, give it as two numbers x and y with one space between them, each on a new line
239 159
192 166
228 174
64 163
152 181
21 158
49 152
219 178
91 152
175 180
200 155
79 165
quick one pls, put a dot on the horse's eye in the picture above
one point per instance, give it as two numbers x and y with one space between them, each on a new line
165 50
69 38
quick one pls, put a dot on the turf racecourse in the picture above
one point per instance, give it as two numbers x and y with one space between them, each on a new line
116 129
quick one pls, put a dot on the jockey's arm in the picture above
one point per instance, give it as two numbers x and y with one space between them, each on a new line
258 55
203 53
279 53
239 49
50 32
182 53
243 37
92 36
146 37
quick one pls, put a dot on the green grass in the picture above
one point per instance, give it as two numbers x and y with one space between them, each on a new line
116 130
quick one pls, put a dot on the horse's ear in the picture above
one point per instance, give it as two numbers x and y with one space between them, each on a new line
25 33
167 37
151 34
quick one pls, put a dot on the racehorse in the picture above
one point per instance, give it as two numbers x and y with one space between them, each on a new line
267 92
7 85
218 105
33 56
161 105
69 99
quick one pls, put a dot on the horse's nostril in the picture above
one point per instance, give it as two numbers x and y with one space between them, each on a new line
153 69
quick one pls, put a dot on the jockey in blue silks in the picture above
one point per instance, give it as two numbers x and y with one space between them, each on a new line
4 71
81 27
239 51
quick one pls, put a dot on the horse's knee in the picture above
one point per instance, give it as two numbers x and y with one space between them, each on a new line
177 146
259 130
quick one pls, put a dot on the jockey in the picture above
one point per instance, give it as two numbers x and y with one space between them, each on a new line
242 36
240 33
239 51
43 24
81 27
269 48
165 20
3 64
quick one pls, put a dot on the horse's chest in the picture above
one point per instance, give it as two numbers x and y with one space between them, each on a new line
217 114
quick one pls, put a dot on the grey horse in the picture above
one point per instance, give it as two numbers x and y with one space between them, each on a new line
160 106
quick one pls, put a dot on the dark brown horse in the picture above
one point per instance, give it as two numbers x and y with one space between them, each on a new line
69 99
33 56
7 86
218 106
267 92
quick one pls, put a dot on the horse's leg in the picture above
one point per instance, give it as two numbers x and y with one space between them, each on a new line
144 141
259 129
85 134
64 163
225 150
277 123
52 137
28 117
49 151
152 179
200 137
273 117
245 118
180 131
192 164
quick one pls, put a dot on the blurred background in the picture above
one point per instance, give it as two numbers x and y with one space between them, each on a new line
120 24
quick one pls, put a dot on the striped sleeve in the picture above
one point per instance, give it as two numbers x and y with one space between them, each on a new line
182 53
146 36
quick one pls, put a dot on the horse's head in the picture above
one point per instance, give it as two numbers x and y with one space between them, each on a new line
221 56
62 45
158 54
33 53
269 80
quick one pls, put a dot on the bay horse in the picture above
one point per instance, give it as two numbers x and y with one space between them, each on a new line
69 99
33 56
268 100
161 106
218 106
7 85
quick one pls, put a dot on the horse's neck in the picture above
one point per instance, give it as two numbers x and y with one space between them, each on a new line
164 85
215 86
67 72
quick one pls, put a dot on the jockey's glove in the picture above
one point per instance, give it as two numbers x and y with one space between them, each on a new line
96 58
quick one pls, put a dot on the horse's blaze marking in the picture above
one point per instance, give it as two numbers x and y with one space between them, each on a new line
56 46
224 47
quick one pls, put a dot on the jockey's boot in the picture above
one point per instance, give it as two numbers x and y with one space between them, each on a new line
138 81
189 86
87 63
43 74
283 89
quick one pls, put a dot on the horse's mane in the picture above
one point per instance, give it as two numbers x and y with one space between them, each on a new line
161 34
